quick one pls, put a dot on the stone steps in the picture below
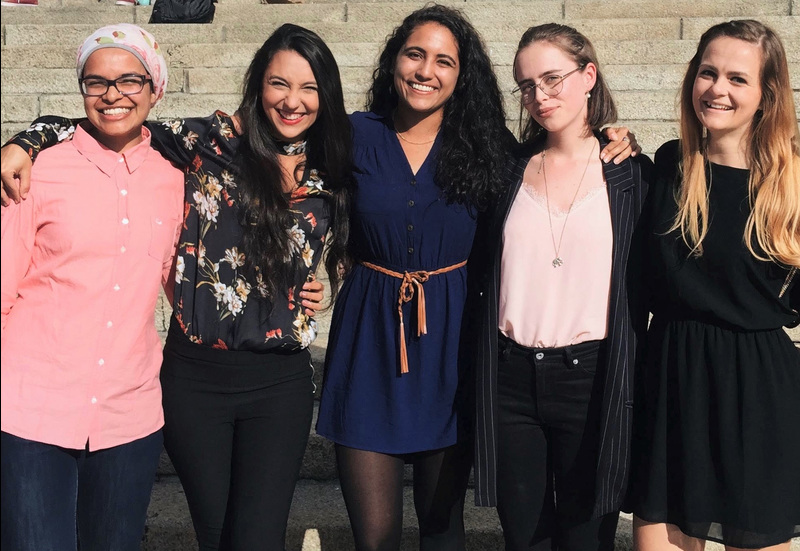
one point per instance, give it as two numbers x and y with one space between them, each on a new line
644 58
650 28
480 12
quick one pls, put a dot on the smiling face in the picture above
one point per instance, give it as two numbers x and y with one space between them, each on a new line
566 111
426 70
289 95
117 119
727 88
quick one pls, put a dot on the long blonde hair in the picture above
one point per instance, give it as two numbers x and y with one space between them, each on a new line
774 156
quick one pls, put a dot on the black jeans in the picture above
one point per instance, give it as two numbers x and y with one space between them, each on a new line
549 403
56 498
236 428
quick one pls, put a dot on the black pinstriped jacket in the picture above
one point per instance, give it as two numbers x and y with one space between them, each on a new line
627 187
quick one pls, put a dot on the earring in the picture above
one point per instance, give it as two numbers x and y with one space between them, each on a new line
588 95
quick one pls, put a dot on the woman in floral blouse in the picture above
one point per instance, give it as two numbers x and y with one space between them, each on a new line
262 190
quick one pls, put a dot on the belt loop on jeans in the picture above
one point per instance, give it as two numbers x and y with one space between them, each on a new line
505 345
569 359
412 283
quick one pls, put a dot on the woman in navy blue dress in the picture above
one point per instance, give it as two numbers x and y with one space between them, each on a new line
428 156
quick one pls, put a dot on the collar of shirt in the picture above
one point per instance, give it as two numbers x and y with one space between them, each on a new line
107 160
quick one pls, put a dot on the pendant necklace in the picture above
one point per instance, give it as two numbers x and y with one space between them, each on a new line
558 261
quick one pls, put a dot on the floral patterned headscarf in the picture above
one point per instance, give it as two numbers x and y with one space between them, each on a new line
133 39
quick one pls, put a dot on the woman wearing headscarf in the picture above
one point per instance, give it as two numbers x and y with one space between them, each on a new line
82 262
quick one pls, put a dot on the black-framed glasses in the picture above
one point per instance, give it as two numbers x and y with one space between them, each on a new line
550 85
127 85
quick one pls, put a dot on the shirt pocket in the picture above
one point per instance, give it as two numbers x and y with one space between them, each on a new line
162 238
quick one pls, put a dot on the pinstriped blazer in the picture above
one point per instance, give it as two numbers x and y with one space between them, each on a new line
627 187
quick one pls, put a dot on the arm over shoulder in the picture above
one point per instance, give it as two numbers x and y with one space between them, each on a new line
183 140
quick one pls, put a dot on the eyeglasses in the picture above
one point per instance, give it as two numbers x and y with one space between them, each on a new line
127 85
550 85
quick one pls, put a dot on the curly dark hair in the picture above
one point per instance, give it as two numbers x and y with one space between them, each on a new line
475 140
266 217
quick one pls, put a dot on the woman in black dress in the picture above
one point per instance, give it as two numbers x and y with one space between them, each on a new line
716 452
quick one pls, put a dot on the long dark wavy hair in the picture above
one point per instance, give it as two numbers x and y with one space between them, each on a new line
266 217
475 140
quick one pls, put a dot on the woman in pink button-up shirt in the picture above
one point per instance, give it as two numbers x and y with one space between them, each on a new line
82 261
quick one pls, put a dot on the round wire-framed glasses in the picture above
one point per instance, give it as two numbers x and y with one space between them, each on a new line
550 85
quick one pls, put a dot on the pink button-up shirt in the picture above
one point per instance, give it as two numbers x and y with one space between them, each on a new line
82 261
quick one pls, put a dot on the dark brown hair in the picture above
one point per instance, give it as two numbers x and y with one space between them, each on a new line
601 108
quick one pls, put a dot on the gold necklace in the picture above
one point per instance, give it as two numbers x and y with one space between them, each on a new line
558 261
400 135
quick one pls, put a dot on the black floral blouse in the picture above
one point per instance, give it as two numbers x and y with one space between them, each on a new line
218 301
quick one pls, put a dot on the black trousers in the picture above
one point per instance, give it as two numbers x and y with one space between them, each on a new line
236 428
549 403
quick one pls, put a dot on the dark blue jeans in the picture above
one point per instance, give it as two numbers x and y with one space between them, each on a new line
52 497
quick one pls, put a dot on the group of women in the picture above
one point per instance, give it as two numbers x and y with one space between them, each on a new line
494 295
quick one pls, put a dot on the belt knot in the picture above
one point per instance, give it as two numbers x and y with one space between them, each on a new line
411 285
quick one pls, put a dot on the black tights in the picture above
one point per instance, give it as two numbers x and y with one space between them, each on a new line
372 485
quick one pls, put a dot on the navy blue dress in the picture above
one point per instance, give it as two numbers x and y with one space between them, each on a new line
399 221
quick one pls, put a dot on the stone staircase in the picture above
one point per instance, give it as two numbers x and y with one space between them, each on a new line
643 45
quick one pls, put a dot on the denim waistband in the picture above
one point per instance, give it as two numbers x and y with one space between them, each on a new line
579 350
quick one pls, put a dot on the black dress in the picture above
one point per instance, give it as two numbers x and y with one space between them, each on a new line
717 426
